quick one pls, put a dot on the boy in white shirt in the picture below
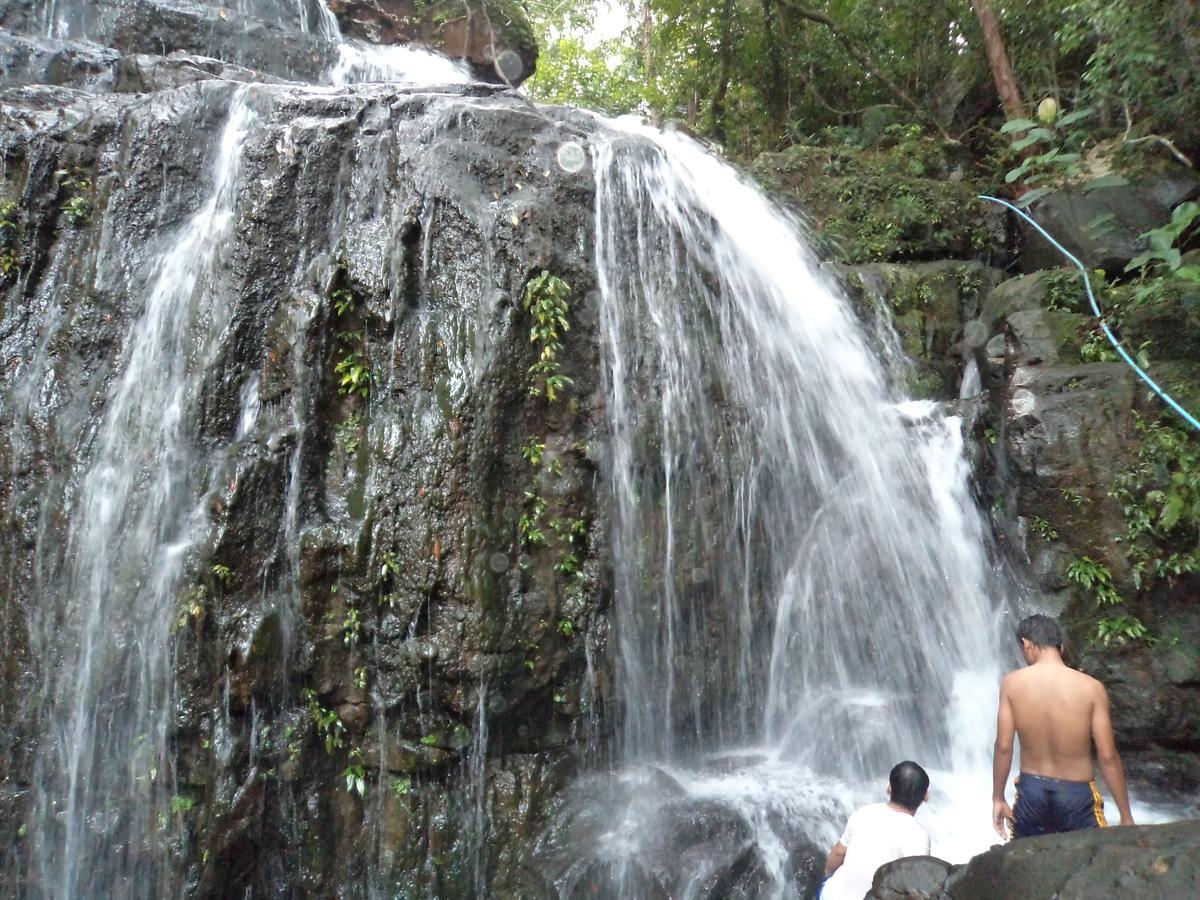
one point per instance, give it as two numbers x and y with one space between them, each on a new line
877 834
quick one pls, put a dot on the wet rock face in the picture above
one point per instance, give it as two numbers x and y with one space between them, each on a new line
285 37
495 38
361 587
1145 862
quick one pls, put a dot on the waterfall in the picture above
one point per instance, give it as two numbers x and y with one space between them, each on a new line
106 784
802 584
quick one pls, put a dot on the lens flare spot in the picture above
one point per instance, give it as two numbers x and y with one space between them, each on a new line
509 66
571 157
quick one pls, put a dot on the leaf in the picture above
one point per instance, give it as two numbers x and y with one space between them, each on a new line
1034 137
1190 272
1075 116
1171 512
1017 125
1105 181
1034 195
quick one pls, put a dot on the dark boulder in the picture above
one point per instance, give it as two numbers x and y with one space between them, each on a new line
1148 862
1103 225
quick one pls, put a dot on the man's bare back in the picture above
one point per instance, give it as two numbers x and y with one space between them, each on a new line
1059 714
1053 709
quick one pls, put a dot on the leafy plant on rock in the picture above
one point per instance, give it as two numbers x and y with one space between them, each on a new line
546 303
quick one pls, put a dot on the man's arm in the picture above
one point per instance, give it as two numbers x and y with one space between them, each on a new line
1002 755
837 856
1107 756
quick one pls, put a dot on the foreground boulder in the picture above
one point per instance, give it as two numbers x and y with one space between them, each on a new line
1147 862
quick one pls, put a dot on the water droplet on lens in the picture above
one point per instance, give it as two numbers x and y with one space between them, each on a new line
524 560
1023 402
509 65
571 157
498 562
508 514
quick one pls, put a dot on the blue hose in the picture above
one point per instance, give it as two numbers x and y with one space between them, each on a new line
1087 283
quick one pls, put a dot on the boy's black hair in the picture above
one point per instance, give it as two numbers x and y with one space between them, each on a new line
1041 631
909 783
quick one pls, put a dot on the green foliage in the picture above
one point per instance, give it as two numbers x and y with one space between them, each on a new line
1043 529
1072 496
351 627
546 303
401 786
429 740
222 572
1120 629
390 565
1054 164
10 236
352 370
533 450
343 301
180 805
1136 66
530 522
566 628
348 432
355 773
1164 255
329 726
1095 578
75 183
1160 496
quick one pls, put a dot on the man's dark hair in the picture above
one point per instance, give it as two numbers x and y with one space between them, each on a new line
1041 631
909 784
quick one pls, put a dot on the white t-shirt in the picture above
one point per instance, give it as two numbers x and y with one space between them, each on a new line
874 835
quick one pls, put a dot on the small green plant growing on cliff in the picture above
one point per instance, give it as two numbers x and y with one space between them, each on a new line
222 573
390 566
401 786
360 678
77 207
343 301
1043 529
1160 495
429 740
1072 496
351 627
1119 629
566 628
355 773
1094 577
10 234
533 450
180 805
346 433
546 303
352 370
327 722
530 522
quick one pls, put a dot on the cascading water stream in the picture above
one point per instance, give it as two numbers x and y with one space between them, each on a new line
801 574
803 587
108 777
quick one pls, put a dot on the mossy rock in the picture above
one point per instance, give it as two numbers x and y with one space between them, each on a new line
907 202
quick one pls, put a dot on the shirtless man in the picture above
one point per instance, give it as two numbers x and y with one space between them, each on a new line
1057 712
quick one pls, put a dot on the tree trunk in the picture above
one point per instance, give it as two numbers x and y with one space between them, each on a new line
725 52
997 56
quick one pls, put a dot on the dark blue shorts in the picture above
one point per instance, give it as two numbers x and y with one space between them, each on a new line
1051 805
